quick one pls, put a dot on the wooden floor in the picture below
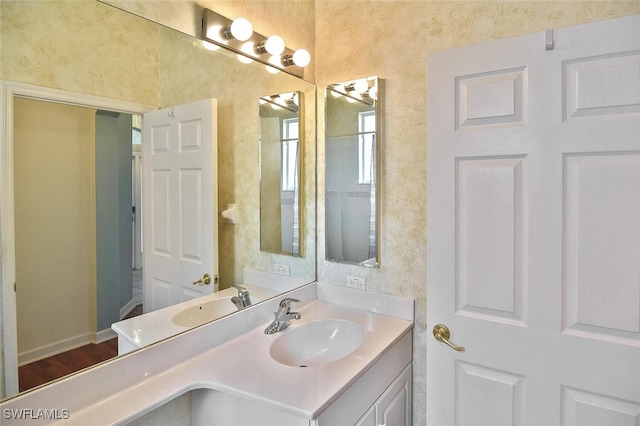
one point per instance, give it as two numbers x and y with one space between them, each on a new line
54 367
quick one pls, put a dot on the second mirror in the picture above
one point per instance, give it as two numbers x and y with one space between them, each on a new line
352 172
280 172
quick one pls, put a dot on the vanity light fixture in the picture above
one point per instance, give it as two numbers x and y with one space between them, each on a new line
240 29
239 37
273 45
300 57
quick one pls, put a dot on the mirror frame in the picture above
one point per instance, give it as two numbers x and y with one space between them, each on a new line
378 100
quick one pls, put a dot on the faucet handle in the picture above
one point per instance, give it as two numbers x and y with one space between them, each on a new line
287 301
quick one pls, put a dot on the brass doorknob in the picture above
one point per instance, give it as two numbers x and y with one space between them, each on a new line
206 279
442 334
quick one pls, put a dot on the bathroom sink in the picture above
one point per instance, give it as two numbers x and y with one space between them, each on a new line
317 343
202 313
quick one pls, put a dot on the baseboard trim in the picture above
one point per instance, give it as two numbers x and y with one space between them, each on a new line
104 335
127 308
64 345
54 348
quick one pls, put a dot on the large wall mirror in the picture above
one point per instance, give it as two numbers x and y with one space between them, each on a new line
103 51
352 171
280 173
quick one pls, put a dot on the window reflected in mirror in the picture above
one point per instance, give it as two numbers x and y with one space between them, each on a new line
280 172
352 155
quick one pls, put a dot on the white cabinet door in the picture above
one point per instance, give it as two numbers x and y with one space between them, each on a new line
179 202
369 418
534 231
394 406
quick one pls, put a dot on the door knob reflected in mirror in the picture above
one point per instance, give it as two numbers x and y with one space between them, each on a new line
206 280
442 334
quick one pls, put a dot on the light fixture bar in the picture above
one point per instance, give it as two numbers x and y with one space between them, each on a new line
213 30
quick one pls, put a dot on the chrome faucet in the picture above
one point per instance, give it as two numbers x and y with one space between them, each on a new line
242 300
283 317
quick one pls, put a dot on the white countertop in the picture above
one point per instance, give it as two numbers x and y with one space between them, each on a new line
155 326
230 355
304 391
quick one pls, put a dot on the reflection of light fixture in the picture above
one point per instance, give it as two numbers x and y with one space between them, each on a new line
355 91
274 45
240 29
272 70
210 46
288 101
246 53
244 59
300 57
361 86
274 62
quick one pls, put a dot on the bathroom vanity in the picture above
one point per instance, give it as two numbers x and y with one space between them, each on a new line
360 373
152 327
144 330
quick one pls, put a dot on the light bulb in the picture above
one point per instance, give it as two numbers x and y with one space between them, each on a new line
373 92
361 86
274 65
274 45
210 46
241 29
338 90
244 59
301 58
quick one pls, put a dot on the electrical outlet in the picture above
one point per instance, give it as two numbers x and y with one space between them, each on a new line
281 269
357 282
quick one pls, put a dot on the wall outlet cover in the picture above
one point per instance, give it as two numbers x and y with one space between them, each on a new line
281 269
356 282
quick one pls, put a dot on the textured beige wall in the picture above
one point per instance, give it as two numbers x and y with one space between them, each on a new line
55 222
391 39
80 46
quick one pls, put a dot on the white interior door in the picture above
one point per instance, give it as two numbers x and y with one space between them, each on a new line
179 203
534 229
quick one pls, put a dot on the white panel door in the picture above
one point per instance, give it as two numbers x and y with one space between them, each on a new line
179 202
534 229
